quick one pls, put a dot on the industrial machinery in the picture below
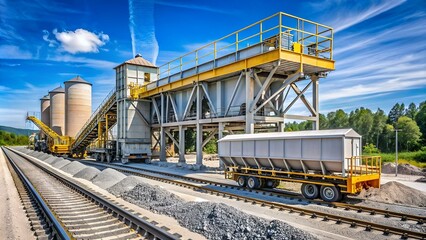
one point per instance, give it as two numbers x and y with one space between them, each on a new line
56 144
328 163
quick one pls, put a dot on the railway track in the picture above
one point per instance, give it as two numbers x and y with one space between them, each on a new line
69 211
270 192
198 184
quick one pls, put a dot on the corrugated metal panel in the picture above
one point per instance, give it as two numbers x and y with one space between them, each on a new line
331 133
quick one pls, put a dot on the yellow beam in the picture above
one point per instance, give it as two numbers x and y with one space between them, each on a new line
254 61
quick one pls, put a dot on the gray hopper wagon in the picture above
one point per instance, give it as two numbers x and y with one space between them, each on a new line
328 163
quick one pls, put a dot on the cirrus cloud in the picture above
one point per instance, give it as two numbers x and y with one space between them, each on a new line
78 41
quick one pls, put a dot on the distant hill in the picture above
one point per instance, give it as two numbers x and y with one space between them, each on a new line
18 131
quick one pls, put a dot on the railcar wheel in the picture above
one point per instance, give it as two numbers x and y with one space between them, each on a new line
330 193
310 191
253 182
242 181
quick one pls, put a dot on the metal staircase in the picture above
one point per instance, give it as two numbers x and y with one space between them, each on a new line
89 132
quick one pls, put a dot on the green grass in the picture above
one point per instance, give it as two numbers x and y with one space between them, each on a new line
414 158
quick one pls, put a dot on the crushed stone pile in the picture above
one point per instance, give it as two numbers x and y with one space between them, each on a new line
219 221
73 167
125 185
87 173
153 198
44 156
213 220
50 160
423 179
395 192
107 178
60 163
405 168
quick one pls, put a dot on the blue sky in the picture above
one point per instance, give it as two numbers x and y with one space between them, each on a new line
380 46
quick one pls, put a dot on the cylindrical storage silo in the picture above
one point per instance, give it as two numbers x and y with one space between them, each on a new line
57 110
78 105
45 112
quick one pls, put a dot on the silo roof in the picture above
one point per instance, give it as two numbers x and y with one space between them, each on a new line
45 97
58 90
140 61
78 79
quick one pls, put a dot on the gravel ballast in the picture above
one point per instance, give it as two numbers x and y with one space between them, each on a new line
87 173
73 167
125 185
213 220
60 164
50 160
107 178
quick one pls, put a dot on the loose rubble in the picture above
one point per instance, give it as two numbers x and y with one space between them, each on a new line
87 173
125 185
406 169
73 167
107 178
394 192
213 220
60 163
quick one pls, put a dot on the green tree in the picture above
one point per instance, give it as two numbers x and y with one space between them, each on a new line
379 122
410 134
411 111
395 113
387 138
421 121
361 120
338 119
370 148
323 121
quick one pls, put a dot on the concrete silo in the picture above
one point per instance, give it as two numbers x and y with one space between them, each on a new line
45 111
78 105
57 110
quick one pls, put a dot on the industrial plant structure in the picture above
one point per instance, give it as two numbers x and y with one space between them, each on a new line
246 82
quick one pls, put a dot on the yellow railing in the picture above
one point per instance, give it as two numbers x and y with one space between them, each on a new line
315 39
279 31
364 165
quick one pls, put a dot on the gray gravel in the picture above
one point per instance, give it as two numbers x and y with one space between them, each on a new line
44 156
87 173
50 160
73 167
125 185
59 164
107 178
58 159
213 220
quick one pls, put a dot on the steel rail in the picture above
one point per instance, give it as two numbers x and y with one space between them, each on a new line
345 206
125 216
353 222
57 228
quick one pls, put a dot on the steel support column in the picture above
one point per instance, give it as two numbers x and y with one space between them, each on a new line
220 136
315 101
162 131
182 144
249 100
199 133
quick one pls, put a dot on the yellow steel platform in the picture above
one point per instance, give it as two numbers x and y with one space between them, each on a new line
293 43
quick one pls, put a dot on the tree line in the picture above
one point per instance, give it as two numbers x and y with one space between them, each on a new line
8 139
378 128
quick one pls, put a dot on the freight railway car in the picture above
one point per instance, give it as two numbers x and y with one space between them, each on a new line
328 163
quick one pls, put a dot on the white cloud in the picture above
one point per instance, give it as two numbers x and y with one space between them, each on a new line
142 29
13 52
86 62
52 43
77 41
357 11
